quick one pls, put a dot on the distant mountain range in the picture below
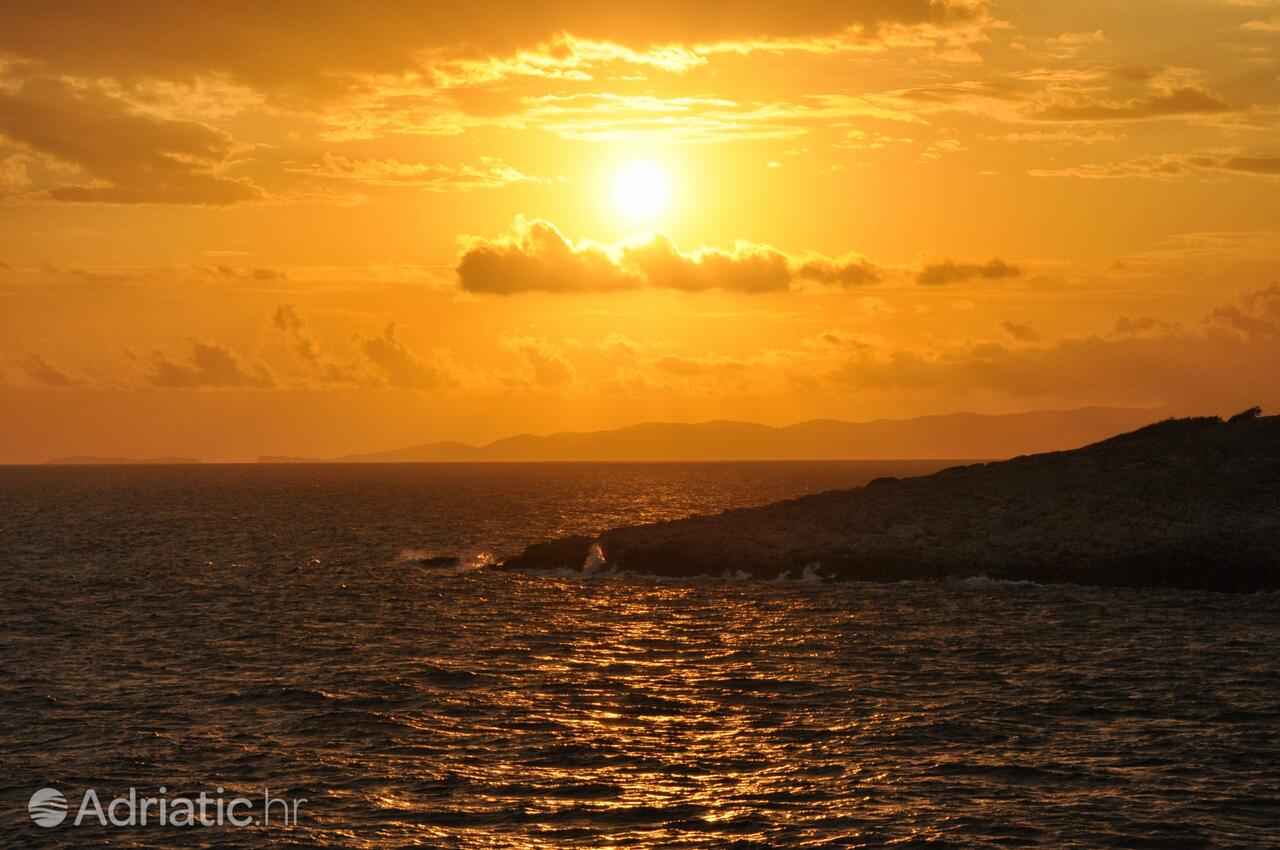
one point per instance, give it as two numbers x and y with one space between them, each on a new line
957 435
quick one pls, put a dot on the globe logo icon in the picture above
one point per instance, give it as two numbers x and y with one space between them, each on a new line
47 807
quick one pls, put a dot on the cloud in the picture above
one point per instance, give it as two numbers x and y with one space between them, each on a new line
1063 136
622 348
1126 325
13 173
1170 166
254 273
1176 102
608 116
949 271
306 345
1216 247
711 364
566 66
1257 314
747 268
129 157
287 320
489 174
941 148
1264 25
1076 96
612 117
1072 39
37 368
953 94
208 365
847 272
838 338
399 366
537 257
379 360
1226 357
1020 331
545 362
335 47
1268 166
707 375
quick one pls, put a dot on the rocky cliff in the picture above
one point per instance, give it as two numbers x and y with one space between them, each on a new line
1191 503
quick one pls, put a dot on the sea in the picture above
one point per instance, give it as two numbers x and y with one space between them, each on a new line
331 646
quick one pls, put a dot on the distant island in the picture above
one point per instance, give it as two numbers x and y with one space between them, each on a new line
1188 503
91 460
956 435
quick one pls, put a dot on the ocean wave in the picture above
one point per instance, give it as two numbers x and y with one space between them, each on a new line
471 559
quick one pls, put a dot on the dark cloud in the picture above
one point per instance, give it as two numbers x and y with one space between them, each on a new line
949 271
536 257
306 345
249 273
301 49
372 361
130 157
847 273
1257 314
286 319
1188 100
547 365
1267 165
841 339
38 368
208 365
1171 166
398 365
1021 331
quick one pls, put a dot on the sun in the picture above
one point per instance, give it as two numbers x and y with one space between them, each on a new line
640 190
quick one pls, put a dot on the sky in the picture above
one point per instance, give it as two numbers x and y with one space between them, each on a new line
251 228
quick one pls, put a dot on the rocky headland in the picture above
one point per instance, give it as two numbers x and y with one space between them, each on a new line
1188 503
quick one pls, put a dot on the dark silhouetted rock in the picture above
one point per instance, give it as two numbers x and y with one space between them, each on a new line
1191 503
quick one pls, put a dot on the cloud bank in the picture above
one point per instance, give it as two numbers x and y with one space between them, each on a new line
129 157
310 51
536 257
207 365
949 271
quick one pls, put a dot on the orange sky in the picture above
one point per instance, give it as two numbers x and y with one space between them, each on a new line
291 228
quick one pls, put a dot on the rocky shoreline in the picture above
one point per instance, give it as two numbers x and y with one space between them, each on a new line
1188 503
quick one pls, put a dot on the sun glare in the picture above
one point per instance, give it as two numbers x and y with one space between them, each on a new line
640 190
